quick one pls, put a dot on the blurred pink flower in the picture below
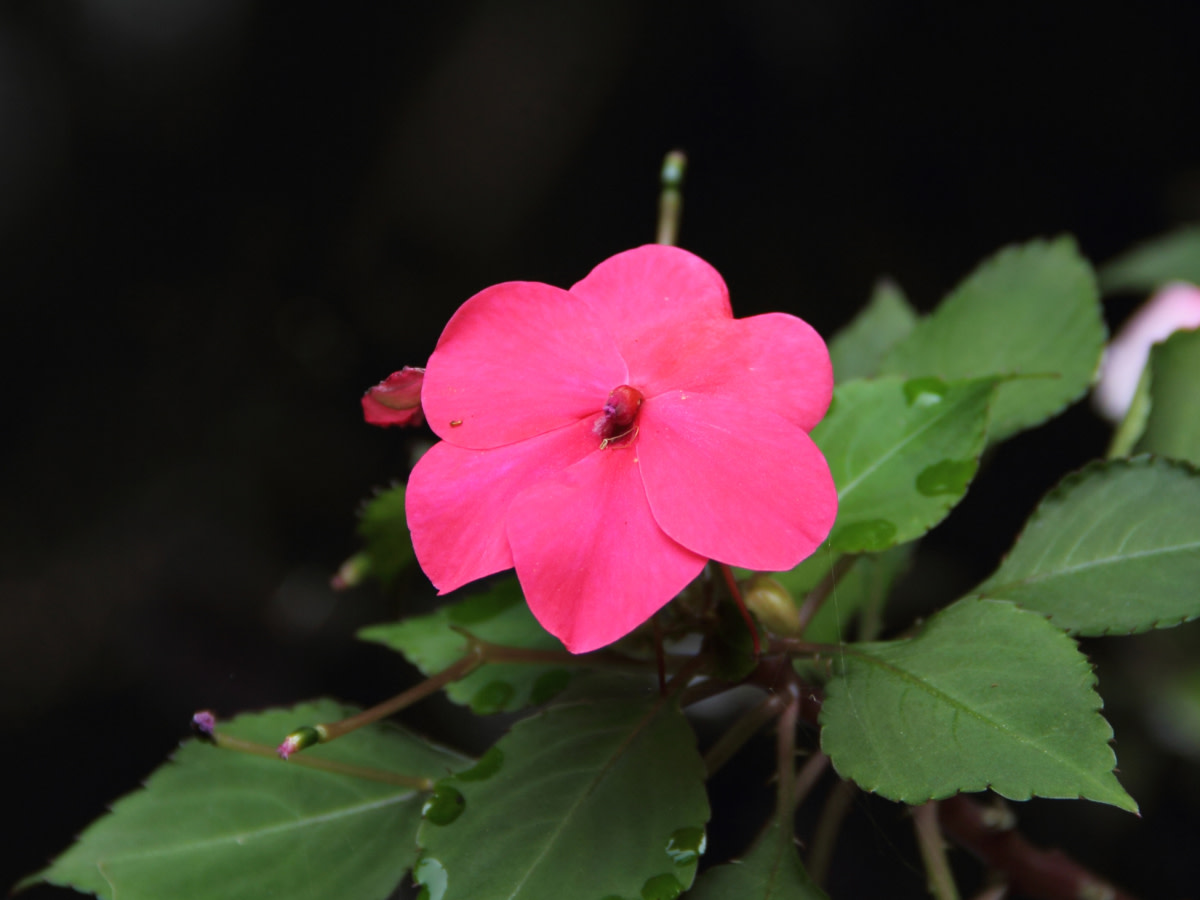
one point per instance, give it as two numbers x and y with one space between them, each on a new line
1175 307
396 400
608 440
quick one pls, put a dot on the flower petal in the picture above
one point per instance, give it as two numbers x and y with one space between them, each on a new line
653 286
733 482
458 500
396 400
592 561
775 362
517 360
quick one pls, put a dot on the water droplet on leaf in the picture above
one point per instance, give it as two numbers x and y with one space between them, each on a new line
489 764
924 391
444 805
868 536
950 476
686 846
431 875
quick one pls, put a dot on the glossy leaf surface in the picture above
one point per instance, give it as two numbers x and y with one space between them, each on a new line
1114 549
593 798
771 870
902 453
219 824
1173 424
1029 310
985 696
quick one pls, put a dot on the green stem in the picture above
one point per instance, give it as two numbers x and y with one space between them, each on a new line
228 742
670 200
933 852
744 728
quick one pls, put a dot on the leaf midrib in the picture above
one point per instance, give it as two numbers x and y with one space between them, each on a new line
206 843
1040 577
908 439
953 702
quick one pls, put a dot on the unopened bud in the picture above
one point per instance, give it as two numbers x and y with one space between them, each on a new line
396 400
352 572
772 604
298 740
204 722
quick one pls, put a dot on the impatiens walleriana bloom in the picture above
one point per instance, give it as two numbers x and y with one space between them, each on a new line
1174 308
608 440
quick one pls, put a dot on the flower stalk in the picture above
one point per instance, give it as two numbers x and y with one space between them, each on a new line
204 725
670 200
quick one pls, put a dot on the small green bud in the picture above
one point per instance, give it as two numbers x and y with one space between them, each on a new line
772 605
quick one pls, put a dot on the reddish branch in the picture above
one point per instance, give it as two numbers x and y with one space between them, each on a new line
1029 870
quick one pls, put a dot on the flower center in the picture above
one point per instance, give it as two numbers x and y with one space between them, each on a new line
618 420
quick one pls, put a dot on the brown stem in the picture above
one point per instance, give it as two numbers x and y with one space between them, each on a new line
460 669
1029 870
229 742
741 605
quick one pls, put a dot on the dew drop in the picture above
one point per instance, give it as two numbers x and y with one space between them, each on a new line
489 764
662 887
444 805
950 476
870 535
548 686
431 875
921 392
492 697
686 846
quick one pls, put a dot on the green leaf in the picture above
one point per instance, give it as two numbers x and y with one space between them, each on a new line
771 870
384 528
588 799
985 696
499 616
1174 256
1031 309
858 349
1114 549
1173 425
902 454
220 824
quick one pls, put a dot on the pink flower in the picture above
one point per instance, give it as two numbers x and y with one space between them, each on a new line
1174 308
396 400
608 440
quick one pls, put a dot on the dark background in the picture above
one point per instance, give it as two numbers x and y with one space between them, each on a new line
220 221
